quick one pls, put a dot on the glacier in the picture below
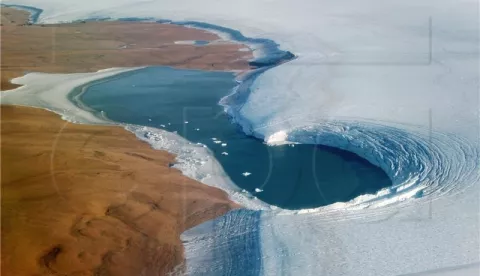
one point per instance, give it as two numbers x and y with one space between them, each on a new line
396 82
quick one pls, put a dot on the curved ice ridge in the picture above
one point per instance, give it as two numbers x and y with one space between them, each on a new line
420 163
417 164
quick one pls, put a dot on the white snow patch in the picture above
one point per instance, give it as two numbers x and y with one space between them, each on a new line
185 42
49 91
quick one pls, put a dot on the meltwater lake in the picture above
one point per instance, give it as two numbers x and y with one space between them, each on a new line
186 101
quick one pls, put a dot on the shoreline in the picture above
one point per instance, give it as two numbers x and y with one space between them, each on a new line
358 64
59 255
244 77
87 46
57 99
106 168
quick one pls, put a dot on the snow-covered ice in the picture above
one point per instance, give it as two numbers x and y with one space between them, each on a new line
370 77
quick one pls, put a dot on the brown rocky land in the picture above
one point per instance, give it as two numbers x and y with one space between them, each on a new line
94 200
90 46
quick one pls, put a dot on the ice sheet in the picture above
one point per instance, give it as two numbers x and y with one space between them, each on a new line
388 64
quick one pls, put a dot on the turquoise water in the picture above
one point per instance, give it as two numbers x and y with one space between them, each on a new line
291 177
34 12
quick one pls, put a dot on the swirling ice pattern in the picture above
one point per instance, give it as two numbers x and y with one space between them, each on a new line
419 163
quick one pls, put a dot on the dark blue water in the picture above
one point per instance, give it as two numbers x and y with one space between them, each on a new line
302 176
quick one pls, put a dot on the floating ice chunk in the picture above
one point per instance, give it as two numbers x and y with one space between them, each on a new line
246 174
224 153
169 124
217 141
149 120
258 190
214 138
186 122
197 129
162 125
224 144
278 138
